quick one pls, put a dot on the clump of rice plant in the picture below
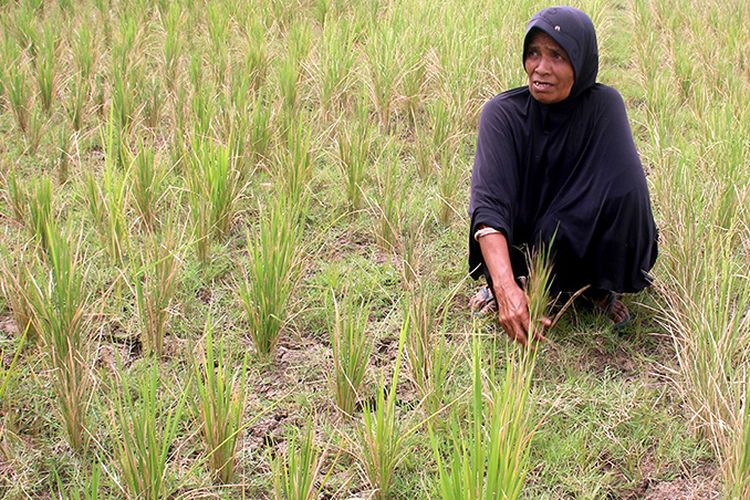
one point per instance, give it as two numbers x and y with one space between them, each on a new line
40 210
389 205
18 198
17 286
426 350
213 192
74 106
107 202
147 430
383 61
295 165
155 274
148 178
295 473
16 87
488 455
59 306
379 443
351 350
272 273
45 68
220 405
354 142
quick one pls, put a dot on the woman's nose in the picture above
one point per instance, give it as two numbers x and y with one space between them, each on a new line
543 66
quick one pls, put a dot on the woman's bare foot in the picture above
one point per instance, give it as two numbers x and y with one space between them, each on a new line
483 301
614 309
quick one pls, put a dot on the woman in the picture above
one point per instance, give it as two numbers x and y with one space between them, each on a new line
556 162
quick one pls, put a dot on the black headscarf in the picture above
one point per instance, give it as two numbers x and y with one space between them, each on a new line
568 169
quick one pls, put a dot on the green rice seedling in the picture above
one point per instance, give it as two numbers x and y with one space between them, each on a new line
215 179
488 456
259 129
351 350
40 210
148 184
147 430
295 474
153 101
83 52
63 148
354 143
123 102
35 130
172 44
379 445
390 203
295 165
288 74
449 185
90 492
385 68
256 53
273 270
18 198
17 286
218 27
155 275
337 60
59 306
107 202
16 89
26 28
419 313
45 68
7 373
220 406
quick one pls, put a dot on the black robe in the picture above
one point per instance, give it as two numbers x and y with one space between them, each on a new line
569 169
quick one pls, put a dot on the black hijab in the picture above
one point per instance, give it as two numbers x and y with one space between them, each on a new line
568 169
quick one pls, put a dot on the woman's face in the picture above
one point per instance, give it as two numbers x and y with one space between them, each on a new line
551 75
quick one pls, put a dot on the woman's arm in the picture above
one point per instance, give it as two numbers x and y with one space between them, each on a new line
512 302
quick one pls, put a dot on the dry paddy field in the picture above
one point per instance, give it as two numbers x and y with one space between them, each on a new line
233 257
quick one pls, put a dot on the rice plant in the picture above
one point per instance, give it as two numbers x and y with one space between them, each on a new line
155 275
8 372
40 211
83 52
256 54
272 273
336 63
294 169
18 198
45 69
147 429
379 442
427 355
107 202
59 314
16 88
213 181
389 205
385 70
295 474
220 405
488 455
148 185
259 129
18 286
351 350
354 143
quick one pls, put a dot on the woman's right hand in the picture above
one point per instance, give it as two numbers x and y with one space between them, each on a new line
513 313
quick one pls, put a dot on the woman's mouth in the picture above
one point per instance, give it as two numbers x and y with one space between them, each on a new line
541 85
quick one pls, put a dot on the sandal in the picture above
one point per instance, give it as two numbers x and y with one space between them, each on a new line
482 302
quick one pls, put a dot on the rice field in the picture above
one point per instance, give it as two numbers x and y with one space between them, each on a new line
233 257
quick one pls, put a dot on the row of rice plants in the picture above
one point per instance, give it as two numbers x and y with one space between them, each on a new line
701 191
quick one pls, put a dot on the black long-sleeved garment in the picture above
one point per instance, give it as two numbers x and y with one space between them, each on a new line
569 169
